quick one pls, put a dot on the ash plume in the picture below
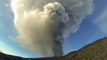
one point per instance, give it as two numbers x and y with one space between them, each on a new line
42 24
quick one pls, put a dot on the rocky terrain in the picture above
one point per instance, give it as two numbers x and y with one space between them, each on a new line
94 51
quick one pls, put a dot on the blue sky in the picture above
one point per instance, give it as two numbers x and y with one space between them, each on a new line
92 28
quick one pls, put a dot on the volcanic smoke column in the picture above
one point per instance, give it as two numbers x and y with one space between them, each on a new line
42 24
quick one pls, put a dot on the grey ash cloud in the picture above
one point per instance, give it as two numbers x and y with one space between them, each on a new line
42 24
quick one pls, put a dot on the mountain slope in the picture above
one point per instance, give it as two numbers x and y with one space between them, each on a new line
94 51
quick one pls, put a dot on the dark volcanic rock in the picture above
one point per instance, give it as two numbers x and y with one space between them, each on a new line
94 51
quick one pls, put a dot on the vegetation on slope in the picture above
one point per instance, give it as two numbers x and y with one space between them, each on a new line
94 51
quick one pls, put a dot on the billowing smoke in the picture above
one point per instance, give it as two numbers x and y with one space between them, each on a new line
42 24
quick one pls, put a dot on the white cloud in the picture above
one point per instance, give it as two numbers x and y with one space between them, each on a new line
101 20
5 48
